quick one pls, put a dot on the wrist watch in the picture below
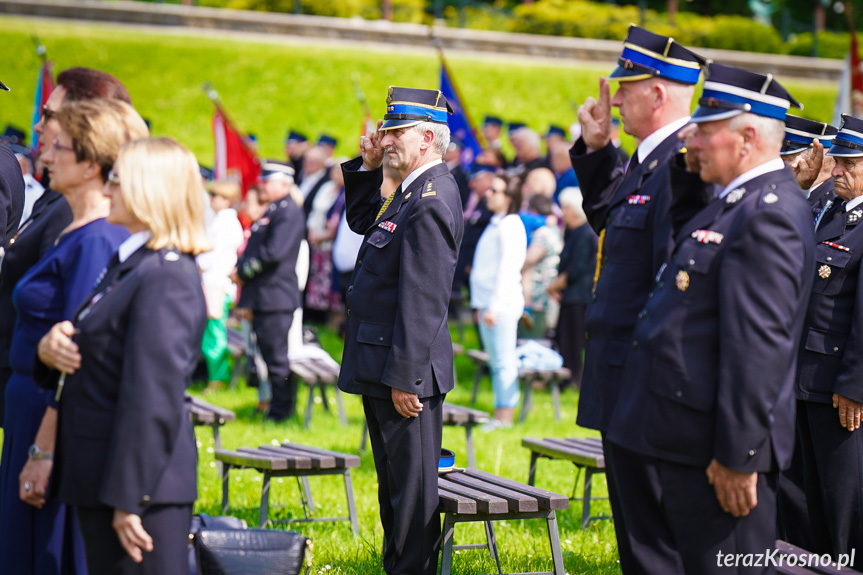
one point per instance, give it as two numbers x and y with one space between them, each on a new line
36 454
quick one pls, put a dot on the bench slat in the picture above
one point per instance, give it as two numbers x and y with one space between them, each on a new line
577 450
326 373
318 461
303 372
198 405
516 501
454 503
485 502
342 459
297 460
547 499
244 459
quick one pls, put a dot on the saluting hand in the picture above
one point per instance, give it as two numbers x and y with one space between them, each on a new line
131 534
595 118
58 351
807 165
850 411
371 149
737 492
407 404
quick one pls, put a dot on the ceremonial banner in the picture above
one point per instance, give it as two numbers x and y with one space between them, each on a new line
234 159
44 87
459 121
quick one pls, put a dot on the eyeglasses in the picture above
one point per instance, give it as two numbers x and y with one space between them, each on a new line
58 146
113 178
48 115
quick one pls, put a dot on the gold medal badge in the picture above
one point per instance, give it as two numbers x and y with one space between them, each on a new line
824 272
682 280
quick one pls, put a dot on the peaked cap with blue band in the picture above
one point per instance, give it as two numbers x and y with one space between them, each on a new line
493 121
730 91
3 87
295 137
555 131
327 140
801 133
408 107
648 55
848 143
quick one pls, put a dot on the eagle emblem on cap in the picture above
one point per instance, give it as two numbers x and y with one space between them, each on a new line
682 280
824 272
390 95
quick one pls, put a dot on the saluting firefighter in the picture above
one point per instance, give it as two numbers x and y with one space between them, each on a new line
708 394
266 274
805 150
398 351
628 203
830 369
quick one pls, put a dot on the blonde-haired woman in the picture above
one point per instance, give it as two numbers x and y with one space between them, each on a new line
43 537
126 455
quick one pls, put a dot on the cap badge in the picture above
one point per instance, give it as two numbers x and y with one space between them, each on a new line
824 272
682 280
735 195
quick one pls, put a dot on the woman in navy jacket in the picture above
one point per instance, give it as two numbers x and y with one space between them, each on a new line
125 453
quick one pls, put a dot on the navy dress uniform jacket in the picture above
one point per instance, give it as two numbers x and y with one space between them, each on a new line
11 193
124 437
831 349
635 211
268 265
819 197
396 333
712 361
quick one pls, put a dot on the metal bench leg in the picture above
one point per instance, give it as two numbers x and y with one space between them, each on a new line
554 540
585 501
342 417
446 552
555 398
577 477
525 404
307 490
492 544
531 476
225 485
309 403
217 443
471 456
324 401
265 501
352 508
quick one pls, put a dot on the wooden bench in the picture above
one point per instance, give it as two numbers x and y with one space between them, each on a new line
291 460
453 415
474 495
549 377
203 413
802 560
318 375
585 453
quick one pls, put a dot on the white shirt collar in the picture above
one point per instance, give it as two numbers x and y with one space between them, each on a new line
649 143
418 172
773 165
132 244
853 203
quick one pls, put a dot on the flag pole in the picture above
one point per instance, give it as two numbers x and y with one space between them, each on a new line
438 44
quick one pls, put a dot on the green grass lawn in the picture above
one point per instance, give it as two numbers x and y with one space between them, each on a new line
269 84
523 545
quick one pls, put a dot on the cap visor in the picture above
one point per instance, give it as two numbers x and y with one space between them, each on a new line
623 75
788 150
702 114
394 124
844 152
4 87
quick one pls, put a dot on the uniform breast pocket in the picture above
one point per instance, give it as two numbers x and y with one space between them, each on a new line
696 257
374 261
633 217
830 264
374 342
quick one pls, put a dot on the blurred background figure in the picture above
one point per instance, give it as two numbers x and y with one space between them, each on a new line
296 146
226 238
37 532
574 282
540 268
320 296
452 157
497 296
492 126
33 190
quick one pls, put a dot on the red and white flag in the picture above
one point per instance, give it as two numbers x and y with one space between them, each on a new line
850 97
234 159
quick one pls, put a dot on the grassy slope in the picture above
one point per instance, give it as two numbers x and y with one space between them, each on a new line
267 85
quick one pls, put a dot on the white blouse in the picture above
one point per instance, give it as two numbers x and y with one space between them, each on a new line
495 276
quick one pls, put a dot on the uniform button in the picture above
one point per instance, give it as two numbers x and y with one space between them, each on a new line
836 348
417 382
650 294
348 312
635 344
380 339
751 452
359 263
145 500
692 262
678 393
593 298
829 259
350 288
661 285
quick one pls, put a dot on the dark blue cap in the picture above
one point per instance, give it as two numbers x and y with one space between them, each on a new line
730 91
481 169
295 137
274 170
493 120
13 135
648 55
206 172
848 143
513 126
327 140
252 137
555 131
408 107
800 134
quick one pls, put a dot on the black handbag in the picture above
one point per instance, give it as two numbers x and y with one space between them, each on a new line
204 521
252 551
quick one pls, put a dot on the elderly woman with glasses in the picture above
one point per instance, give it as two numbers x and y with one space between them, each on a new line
126 455
38 534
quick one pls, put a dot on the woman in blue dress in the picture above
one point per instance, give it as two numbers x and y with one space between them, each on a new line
40 536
